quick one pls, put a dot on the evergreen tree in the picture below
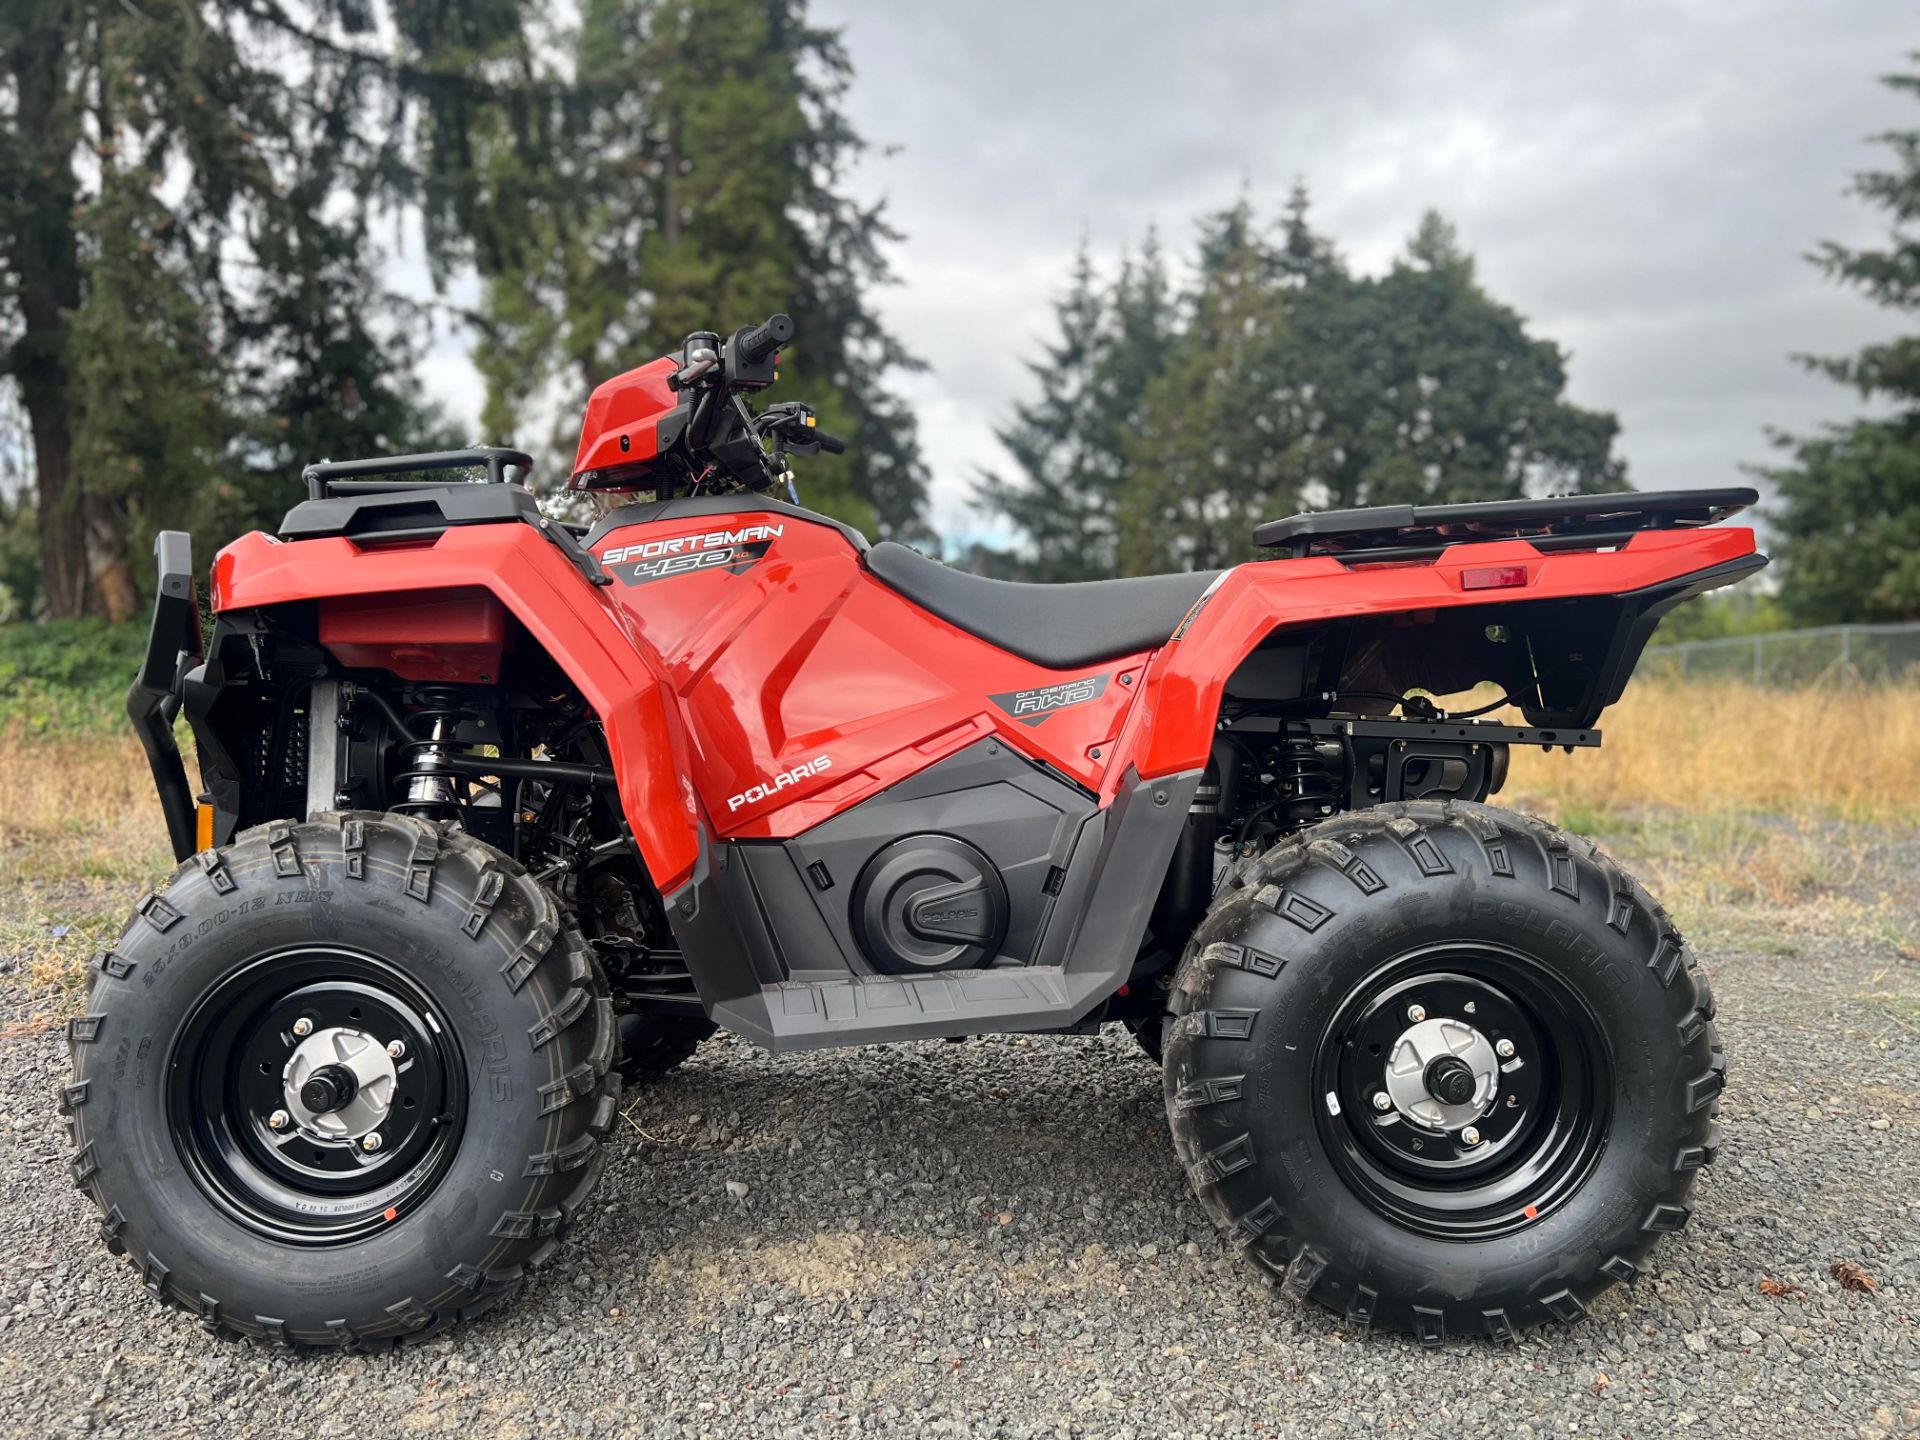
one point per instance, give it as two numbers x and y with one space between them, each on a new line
159 348
1214 454
148 419
1285 382
1848 510
1062 502
1469 406
697 183
1071 444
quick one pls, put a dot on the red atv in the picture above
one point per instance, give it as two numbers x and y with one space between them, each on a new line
496 810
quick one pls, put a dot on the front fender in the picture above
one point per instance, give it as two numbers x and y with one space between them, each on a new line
613 668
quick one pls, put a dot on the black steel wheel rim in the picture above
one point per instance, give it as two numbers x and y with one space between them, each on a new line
226 1080
1535 1140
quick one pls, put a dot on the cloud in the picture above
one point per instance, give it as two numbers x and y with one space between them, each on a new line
1642 180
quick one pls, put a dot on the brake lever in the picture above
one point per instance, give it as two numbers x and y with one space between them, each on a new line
695 370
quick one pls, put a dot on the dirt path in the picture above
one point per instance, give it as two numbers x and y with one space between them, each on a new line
993 1239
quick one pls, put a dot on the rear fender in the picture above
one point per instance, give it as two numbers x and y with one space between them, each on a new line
1626 590
586 635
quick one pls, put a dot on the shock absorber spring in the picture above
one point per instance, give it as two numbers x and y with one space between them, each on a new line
1308 775
426 785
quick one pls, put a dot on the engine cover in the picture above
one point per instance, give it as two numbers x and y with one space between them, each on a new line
929 902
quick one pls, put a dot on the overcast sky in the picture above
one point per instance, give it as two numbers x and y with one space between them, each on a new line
1640 180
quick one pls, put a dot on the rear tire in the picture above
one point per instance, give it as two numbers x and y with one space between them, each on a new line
475 1031
1294 1016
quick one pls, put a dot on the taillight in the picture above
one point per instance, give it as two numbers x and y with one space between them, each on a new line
1493 577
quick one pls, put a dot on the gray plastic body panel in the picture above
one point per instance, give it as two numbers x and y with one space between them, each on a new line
1023 817
1086 952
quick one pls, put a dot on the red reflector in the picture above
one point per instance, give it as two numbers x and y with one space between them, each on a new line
1493 577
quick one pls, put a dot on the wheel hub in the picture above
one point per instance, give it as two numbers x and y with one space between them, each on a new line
319 1096
1442 1073
339 1083
1450 1080
1464 1089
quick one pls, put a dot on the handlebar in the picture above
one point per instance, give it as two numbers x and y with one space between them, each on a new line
756 344
832 444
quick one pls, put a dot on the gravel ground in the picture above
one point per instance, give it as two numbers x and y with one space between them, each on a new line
993 1239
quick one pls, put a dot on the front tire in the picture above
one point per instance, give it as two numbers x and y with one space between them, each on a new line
1442 1068
343 1083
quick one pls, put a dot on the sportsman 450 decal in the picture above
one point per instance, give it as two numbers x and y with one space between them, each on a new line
1030 707
731 550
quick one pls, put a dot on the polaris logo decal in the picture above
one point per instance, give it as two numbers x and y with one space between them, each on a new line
1030 707
734 551
819 765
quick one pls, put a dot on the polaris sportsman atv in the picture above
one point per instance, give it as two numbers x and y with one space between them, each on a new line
497 810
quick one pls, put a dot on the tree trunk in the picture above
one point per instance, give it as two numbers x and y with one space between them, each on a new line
45 257
65 574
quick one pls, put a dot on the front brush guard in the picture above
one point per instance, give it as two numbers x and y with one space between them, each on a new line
174 644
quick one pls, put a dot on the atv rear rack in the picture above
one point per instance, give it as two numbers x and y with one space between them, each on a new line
1565 522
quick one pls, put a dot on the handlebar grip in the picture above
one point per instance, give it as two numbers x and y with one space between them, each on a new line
832 444
757 343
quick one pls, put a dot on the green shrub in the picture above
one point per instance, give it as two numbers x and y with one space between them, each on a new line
60 676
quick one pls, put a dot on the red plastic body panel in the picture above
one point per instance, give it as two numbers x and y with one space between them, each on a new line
448 635
586 633
624 414
1173 730
753 676
800 654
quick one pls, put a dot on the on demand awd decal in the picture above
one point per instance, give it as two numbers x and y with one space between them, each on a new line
731 550
1030 707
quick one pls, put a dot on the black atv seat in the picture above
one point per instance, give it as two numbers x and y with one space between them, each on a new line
1058 626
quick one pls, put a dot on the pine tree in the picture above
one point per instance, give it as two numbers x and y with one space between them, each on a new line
1283 381
1848 511
1214 455
272 132
1468 405
1059 500
696 183
149 420
1070 446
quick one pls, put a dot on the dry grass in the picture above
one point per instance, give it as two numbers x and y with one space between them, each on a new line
1750 810
80 837
1848 753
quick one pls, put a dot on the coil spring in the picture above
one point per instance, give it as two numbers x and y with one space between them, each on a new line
1308 775
425 785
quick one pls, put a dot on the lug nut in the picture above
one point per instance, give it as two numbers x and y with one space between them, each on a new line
1503 1048
279 1120
303 1026
1382 1100
1470 1136
370 1143
397 1048
1416 1013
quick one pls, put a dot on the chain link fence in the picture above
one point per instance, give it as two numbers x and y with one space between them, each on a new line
1870 654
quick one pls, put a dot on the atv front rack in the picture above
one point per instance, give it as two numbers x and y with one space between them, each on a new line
401 497
363 477
1565 522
